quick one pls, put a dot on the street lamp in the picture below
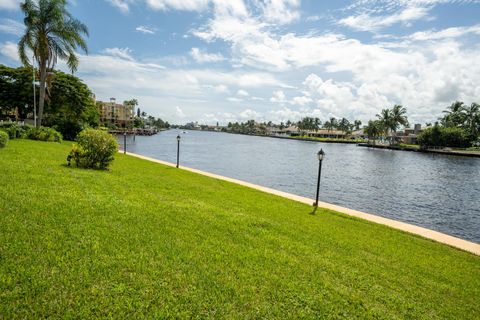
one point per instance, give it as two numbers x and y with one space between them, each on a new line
178 149
125 142
320 156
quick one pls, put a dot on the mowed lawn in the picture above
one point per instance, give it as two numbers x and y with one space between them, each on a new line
145 240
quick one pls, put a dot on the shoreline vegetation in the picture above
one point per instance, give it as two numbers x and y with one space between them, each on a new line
364 143
84 243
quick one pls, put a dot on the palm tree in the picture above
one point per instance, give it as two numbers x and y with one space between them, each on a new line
385 118
454 115
472 119
357 124
317 124
344 125
373 129
399 118
51 33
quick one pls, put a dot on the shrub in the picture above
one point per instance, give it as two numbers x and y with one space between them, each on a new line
14 130
444 137
68 128
3 139
44 134
94 149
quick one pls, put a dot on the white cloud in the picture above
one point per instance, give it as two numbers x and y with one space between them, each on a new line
278 97
454 32
10 4
234 99
301 101
9 50
122 5
249 114
242 93
187 5
367 22
12 27
204 57
231 7
146 30
179 113
123 53
279 11
221 88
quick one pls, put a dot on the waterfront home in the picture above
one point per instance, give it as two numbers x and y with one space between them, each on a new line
359 134
409 135
292 130
324 133
113 113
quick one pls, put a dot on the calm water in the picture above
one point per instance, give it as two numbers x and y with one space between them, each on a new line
434 191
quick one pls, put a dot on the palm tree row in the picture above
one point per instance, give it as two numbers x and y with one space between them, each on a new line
387 123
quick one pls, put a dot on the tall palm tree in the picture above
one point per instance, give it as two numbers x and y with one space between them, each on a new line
51 33
399 118
454 115
472 119
357 124
373 130
385 118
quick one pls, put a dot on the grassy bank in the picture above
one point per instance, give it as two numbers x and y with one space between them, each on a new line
144 239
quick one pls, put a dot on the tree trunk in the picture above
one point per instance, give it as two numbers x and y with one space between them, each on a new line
41 103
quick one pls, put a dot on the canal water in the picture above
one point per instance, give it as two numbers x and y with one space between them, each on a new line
438 192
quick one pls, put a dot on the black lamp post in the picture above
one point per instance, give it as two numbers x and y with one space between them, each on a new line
320 155
125 142
178 149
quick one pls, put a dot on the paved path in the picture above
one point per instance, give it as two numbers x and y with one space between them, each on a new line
423 232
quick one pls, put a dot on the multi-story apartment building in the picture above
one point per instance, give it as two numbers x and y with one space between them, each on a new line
117 114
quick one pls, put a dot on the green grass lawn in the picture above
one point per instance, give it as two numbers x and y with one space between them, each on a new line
148 240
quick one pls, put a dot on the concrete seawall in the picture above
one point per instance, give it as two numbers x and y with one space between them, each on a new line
420 231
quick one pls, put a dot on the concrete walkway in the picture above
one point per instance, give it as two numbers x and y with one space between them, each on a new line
423 232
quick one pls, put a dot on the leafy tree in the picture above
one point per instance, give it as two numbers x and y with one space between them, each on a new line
51 33
373 130
16 90
438 136
70 107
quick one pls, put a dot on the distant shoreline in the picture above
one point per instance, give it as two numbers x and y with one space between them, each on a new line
463 153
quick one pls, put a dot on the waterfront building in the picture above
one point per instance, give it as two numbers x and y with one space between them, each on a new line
324 133
113 113
409 135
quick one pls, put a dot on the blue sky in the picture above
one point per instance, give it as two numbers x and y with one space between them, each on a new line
214 60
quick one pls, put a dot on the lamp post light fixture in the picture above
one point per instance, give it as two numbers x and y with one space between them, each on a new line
178 149
321 156
125 142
